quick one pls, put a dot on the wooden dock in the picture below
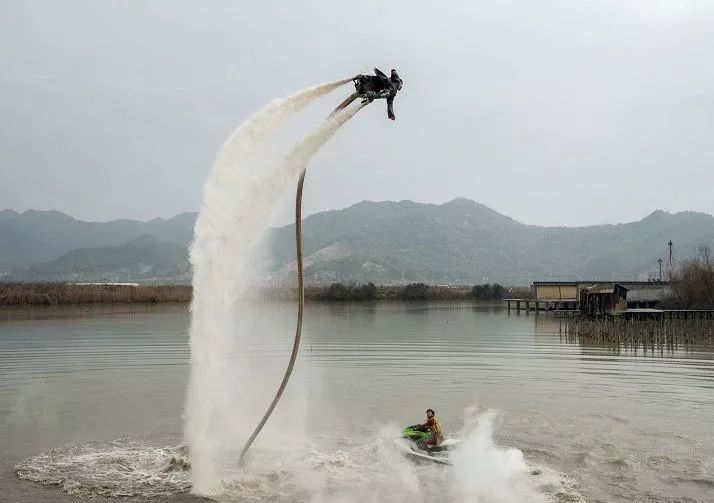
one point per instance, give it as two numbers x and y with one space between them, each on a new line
528 305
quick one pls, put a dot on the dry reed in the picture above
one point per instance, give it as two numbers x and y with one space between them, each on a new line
55 294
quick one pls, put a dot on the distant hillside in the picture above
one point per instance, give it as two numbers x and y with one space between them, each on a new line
39 236
143 258
457 242
464 242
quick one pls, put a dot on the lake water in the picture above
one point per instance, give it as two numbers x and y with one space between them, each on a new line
91 402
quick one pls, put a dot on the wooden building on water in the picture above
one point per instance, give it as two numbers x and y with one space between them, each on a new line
627 299
549 296
565 296
600 300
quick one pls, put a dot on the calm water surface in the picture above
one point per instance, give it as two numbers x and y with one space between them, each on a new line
624 425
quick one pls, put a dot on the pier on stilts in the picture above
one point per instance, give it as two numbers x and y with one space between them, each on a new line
538 305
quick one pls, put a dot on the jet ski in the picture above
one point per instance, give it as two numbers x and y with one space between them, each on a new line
411 439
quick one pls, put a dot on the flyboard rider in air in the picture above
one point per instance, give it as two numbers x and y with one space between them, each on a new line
375 87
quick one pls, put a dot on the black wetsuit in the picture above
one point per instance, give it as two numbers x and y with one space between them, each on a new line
377 86
395 84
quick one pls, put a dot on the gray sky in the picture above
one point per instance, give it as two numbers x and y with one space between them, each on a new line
566 112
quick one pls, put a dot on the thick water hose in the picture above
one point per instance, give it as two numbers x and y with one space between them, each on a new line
336 121
301 310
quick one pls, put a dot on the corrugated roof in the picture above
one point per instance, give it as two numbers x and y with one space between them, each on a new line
622 282
604 289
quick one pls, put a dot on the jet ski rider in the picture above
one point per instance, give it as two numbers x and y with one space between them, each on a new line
431 426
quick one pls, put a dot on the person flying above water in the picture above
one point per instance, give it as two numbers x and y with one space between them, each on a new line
433 427
377 86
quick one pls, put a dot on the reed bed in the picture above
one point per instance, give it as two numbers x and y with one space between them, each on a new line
669 334
56 294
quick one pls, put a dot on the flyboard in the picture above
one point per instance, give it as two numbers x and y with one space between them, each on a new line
344 104
408 445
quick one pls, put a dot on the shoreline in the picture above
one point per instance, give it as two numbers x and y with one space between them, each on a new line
31 295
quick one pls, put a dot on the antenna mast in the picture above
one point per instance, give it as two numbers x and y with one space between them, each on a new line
670 264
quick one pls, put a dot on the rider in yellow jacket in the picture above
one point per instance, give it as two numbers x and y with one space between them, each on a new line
433 427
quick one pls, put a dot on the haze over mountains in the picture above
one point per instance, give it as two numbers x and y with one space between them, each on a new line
457 242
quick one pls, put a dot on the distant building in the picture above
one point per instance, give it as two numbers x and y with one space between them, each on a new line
556 290
640 294
598 300
648 295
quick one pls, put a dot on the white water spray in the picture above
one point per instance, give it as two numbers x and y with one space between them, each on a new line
237 205
369 470
485 472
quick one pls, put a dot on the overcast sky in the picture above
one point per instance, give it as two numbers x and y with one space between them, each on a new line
555 112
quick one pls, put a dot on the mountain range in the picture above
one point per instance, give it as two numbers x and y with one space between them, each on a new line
39 236
456 242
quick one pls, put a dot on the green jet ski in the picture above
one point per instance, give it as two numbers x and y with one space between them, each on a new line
410 445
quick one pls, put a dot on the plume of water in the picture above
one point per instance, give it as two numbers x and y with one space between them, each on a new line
299 157
235 212
485 472
225 218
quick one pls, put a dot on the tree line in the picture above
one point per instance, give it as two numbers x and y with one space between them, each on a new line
693 283
412 291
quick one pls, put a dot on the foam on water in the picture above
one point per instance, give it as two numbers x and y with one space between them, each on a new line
114 469
346 472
